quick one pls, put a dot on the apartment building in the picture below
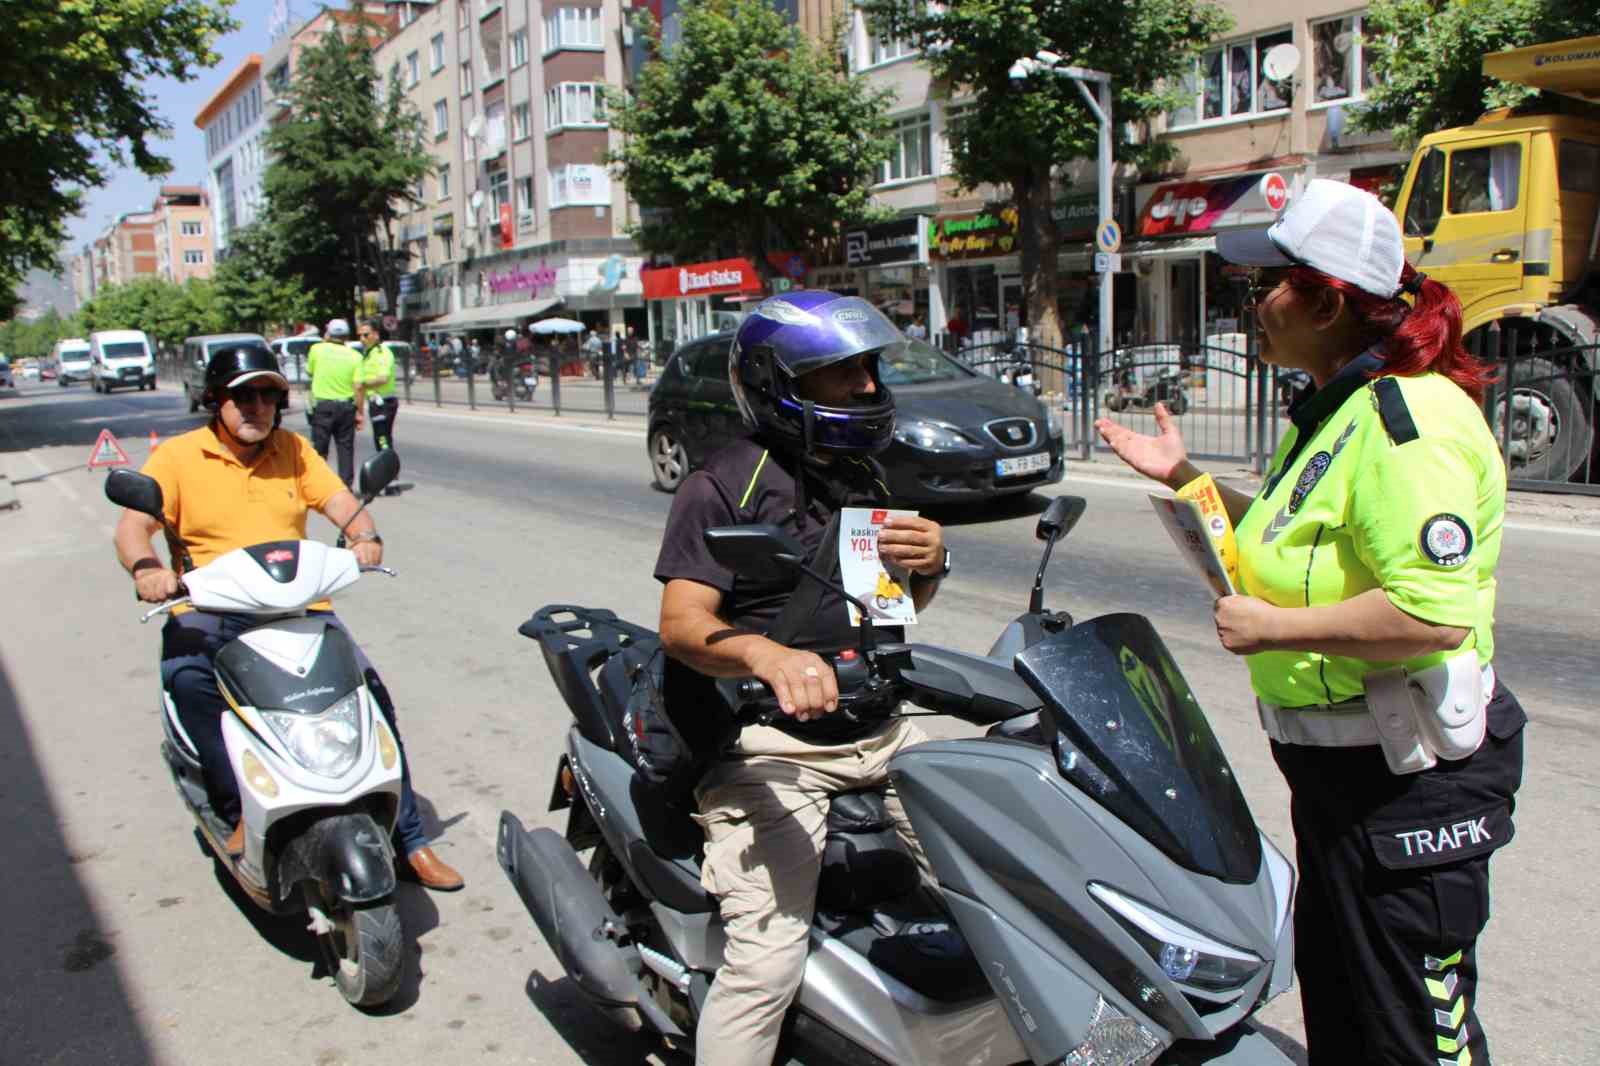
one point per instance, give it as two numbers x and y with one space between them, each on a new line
232 121
183 227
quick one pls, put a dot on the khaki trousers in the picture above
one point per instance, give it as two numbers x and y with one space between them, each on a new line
764 810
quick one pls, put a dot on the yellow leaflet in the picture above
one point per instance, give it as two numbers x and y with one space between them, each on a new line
1203 491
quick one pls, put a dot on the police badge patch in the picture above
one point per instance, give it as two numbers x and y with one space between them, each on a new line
1315 467
1446 540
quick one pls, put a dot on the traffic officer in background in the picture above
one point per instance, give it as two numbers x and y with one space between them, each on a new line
1366 617
336 392
377 379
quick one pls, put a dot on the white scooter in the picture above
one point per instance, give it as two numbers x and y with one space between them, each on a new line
317 765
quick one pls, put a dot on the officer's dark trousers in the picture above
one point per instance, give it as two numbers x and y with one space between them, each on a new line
381 411
1394 890
189 646
335 420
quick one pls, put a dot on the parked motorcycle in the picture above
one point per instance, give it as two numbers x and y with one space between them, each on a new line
1105 896
317 765
525 376
1130 388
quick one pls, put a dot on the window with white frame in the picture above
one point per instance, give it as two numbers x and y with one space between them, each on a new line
525 197
441 118
572 27
912 154
499 189
520 122
192 229
574 103
883 46
408 14
466 77
1339 68
444 181
194 256
519 48
579 184
1230 81
435 53
413 69
461 16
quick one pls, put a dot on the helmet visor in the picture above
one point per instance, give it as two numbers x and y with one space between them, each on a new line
804 339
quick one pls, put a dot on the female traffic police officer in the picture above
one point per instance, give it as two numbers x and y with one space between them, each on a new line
1366 573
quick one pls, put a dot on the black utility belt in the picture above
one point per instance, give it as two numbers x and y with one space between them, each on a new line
343 403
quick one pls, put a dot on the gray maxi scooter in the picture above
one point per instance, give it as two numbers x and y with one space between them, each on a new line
1104 895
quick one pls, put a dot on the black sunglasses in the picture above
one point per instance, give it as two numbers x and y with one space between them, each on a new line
243 395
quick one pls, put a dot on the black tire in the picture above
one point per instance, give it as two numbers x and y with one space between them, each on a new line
194 401
669 459
1178 403
1551 431
1113 401
365 951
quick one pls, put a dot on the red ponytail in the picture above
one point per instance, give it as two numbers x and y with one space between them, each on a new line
1419 337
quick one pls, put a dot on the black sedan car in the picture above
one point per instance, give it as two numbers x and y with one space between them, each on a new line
959 436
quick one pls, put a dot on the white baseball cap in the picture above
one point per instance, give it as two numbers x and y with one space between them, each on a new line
1343 231
338 327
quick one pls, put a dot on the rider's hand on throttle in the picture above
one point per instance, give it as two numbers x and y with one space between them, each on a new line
1158 457
914 543
156 584
368 552
805 685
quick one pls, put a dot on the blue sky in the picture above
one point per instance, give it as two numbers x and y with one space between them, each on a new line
178 102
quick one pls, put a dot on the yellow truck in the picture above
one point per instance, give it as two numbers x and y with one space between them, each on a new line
1506 212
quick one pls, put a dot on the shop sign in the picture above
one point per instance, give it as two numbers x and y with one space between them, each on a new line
532 281
791 265
1188 207
719 277
975 234
1076 215
900 241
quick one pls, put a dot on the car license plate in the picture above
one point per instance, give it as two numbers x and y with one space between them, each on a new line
1022 464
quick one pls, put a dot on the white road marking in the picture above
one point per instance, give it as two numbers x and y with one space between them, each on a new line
559 427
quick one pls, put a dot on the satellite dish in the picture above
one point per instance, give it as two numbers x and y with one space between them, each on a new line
475 125
1280 62
1343 41
477 199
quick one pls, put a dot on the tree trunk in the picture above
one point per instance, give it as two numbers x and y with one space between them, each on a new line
1040 241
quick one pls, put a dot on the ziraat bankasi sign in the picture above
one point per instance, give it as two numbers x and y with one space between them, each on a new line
719 277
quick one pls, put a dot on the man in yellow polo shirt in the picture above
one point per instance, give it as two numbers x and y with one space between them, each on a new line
336 392
238 481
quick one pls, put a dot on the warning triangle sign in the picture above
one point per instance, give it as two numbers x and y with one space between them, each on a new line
107 452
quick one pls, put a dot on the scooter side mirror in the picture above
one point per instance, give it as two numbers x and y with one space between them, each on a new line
1059 518
378 472
760 553
136 492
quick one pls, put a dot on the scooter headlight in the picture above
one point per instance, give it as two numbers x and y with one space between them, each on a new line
1185 955
1114 1039
326 743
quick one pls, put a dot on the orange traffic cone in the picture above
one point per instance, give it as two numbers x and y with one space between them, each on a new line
154 443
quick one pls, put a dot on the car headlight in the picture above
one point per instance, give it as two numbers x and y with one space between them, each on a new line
934 437
1185 955
1052 417
326 743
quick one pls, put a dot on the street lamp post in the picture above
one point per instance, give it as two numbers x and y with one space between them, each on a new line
1101 109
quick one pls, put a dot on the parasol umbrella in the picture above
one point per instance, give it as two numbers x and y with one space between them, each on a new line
547 326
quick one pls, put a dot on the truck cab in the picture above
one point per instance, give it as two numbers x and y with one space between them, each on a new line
1506 212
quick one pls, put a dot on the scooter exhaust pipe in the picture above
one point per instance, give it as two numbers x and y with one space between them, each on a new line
575 920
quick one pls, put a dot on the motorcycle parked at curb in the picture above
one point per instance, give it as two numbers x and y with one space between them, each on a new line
1104 895
524 375
1133 387
317 765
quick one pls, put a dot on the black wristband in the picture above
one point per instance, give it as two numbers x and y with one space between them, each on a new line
149 562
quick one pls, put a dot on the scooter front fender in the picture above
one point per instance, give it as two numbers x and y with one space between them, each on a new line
346 853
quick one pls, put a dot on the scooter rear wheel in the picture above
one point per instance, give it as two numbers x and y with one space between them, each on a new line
365 950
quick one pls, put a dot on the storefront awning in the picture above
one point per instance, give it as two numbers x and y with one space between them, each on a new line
491 316
1178 246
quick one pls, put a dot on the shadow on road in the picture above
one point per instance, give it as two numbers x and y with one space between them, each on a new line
1022 505
67 1000
597 1040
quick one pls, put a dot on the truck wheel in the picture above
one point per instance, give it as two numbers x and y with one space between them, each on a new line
194 402
1551 428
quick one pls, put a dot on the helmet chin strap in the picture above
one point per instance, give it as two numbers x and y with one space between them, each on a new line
808 436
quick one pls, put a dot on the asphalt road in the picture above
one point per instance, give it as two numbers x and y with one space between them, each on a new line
121 944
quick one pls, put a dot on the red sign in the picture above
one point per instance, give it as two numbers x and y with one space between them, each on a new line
107 452
1275 191
879 517
508 235
718 278
1189 206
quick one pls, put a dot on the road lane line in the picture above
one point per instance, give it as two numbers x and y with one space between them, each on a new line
560 427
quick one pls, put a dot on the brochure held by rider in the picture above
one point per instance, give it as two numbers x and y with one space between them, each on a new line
886 591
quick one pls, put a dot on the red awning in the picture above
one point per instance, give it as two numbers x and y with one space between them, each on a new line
718 278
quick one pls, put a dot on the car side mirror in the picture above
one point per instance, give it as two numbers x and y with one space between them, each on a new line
378 472
1059 518
759 553
136 492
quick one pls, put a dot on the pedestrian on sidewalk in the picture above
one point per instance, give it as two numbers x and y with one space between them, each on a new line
630 348
336 394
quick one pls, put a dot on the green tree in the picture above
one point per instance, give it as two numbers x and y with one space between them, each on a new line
746 136
1017 135
344 164
165 310
255 286
75 105
1427 57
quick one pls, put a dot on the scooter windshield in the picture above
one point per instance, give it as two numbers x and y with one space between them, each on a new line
1130 733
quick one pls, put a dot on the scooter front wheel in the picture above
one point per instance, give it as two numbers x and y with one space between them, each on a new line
364 949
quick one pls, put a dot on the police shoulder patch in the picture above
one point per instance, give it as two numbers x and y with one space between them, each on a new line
1312 473
1446 539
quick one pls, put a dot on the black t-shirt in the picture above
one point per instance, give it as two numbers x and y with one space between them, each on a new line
747 484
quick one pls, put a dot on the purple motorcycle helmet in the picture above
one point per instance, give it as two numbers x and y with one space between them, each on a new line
794 334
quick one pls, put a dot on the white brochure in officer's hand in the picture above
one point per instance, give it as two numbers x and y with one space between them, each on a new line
885 590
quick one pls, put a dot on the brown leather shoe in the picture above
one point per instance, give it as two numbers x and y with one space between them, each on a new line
235 844
432 871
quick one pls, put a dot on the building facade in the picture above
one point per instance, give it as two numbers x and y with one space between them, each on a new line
232 122
183 229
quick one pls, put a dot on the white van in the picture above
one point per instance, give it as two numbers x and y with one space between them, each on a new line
120 357
71 356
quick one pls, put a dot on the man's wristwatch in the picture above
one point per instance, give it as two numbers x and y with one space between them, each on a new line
364 535
943 573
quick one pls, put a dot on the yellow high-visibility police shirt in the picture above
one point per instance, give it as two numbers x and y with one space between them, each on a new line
333 368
